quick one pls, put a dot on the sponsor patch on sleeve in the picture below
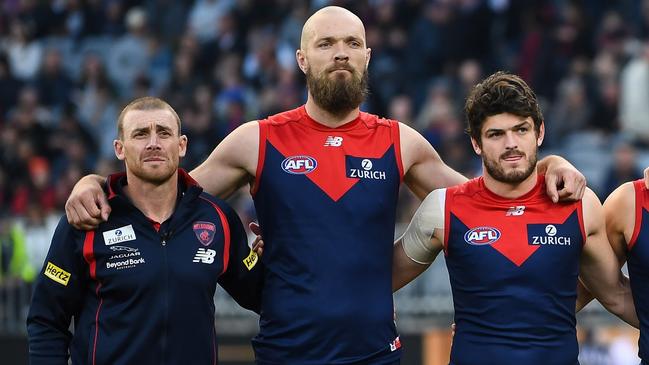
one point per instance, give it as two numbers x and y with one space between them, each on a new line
57 274
251 260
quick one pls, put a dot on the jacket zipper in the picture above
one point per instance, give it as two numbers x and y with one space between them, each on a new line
163 241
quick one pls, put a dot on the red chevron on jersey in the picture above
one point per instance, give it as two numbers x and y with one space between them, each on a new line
320 152
476 207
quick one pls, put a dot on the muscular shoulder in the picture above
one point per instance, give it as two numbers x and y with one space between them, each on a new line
619 207
241 146
593 212
414 147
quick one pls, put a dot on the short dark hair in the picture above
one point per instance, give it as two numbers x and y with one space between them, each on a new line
501 92
145 103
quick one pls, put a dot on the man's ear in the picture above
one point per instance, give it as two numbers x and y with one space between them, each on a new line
182 146
118 146
302 62
476 146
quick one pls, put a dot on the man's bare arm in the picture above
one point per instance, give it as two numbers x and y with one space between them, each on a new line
619 209
87 205
404 269
232 164
422 241
563 181
424 169
600 267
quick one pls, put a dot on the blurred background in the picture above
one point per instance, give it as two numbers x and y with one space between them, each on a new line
67 67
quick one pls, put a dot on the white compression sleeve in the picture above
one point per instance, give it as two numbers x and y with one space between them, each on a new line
428 217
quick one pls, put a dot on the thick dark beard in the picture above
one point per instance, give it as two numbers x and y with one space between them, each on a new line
514 177
338 96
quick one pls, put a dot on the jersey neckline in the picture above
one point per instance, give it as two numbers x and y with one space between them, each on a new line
312 123
540 183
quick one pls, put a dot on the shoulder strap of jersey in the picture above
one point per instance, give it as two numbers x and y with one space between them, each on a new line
264 125
396 141
640 201
448 202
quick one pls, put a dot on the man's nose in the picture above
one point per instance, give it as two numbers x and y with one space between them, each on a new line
341 54
511 142
154 142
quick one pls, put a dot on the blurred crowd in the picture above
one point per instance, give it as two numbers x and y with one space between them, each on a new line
67 67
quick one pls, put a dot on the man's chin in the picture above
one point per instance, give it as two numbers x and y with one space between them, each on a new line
156 175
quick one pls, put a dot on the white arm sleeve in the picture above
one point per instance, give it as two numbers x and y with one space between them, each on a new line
428 217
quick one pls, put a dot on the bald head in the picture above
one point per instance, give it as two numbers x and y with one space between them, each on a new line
327 18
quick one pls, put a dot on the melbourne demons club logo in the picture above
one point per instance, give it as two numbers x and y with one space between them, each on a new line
481 236
299 165
204 232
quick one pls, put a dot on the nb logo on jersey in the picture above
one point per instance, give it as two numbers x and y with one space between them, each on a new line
515 211
204 255
333 141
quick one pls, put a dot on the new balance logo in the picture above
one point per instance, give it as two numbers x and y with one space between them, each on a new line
515 211
204 255
333 141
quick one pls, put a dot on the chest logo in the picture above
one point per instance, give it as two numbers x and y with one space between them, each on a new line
333 141
515 211
204 231
299 165
550 237
121 234
204 255
481 236
364 169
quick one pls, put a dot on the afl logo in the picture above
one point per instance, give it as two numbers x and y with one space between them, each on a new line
481 236
298 165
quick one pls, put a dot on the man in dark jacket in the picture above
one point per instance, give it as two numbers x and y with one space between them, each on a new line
140 287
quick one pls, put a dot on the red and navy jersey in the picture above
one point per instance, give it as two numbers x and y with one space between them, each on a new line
513 266
326 200
638 264
140 292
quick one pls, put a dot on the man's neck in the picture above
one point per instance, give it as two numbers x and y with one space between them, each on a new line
156 201
326 118
507 190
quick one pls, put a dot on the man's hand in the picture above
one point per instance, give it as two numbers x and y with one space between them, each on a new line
646 177
563 181
258 243
87 205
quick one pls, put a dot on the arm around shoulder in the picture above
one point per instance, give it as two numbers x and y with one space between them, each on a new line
232 163
423 168
87 205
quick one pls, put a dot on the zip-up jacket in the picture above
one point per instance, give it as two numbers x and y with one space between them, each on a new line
141 292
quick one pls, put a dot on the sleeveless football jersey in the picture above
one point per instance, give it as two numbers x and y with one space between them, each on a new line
638 264
326 200
513 266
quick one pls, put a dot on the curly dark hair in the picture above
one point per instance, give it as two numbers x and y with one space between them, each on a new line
501 92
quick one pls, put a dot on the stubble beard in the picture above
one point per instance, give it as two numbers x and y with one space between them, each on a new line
497 172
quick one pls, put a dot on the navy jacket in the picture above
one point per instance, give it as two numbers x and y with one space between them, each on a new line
141 293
